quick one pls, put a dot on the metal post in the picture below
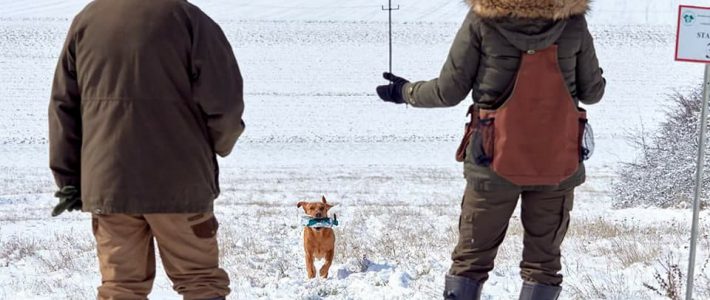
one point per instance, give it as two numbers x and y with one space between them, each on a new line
390 9
698 184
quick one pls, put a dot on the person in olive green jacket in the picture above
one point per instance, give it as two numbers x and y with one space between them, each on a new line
484 59
145 95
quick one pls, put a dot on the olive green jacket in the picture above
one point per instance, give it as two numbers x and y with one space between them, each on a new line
485 56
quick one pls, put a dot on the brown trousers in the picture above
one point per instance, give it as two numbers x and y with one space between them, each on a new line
484 222
188 249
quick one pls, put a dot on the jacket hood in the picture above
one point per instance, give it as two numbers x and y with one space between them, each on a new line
530 9
530 35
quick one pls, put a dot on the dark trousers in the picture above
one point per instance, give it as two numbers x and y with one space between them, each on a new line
484 222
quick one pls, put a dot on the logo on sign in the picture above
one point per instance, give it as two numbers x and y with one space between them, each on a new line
689 18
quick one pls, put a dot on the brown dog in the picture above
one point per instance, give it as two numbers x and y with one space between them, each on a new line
318 243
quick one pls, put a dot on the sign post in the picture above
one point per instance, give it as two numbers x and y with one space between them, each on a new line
693 45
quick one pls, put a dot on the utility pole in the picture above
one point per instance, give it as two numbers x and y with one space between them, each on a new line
389 9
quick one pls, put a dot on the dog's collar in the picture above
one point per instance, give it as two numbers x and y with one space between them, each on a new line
319 222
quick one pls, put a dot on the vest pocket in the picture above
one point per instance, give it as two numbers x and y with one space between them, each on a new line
483 142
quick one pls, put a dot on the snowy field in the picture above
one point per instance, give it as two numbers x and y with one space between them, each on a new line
315 127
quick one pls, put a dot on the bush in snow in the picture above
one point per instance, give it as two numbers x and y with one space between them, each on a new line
664 173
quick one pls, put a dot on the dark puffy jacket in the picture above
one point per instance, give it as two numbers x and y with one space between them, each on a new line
485 56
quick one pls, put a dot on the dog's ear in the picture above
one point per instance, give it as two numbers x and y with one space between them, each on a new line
301 203
323 200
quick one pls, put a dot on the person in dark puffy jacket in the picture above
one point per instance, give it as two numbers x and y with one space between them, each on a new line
495 56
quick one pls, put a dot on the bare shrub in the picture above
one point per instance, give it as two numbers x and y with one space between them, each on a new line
669 280
663 174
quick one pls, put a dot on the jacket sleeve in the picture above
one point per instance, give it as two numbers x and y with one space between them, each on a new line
590 83
65 133
457 76
217 84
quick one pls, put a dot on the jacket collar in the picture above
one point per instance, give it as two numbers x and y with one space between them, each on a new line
530 9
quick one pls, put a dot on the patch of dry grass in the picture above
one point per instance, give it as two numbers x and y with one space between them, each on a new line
16 248
54 258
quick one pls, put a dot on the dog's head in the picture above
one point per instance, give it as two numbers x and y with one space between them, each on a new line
316 209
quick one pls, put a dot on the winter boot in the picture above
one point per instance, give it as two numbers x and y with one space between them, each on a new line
461 288
536 291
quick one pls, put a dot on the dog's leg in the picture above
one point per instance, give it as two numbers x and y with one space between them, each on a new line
310 267
326 266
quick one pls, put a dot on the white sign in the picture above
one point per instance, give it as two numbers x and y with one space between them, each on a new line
693 38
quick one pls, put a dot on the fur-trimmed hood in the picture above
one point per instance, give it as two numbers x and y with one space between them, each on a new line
532 9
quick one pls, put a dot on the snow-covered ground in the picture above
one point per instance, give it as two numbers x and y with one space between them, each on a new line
316 127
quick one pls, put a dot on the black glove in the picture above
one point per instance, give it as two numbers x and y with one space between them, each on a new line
69 199
393 91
